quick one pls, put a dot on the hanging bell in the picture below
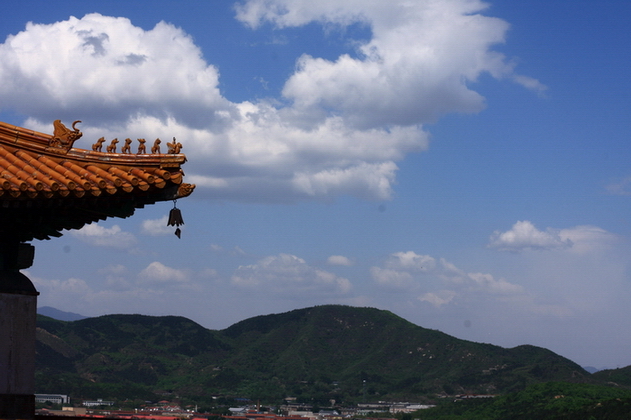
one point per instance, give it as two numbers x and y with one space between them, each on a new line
175 219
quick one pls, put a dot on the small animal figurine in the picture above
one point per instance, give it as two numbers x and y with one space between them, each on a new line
127 146
156 146
112 146
141 146
98 146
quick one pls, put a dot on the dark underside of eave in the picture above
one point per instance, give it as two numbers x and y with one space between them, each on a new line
25 220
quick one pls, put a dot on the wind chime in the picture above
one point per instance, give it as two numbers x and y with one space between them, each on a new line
175 219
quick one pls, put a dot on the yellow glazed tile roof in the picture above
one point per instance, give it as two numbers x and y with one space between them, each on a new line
44 179
31 168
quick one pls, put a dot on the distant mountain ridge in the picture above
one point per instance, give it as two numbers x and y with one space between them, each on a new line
59 315
315 354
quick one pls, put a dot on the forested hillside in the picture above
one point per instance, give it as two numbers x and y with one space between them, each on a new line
315 354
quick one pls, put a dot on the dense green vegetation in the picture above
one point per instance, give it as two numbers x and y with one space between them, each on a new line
545 401
316 355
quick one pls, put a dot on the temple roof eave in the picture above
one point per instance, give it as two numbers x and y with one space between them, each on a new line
47 186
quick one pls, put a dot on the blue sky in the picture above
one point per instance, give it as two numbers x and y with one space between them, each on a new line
462 164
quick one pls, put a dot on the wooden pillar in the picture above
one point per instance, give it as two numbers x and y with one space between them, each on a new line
18 314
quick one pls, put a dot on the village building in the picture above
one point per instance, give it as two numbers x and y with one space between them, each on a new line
52 398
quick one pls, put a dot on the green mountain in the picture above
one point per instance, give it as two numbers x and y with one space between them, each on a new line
315 354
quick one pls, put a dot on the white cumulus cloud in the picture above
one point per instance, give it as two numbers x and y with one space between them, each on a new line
414 68
439 283
103 67
438 298
339 128
339 260
490 284
410 260
289 275
156 272
156 227
579 239
113 237
589 238
524 235
392 279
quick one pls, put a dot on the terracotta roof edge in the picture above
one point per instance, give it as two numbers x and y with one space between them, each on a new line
35 141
